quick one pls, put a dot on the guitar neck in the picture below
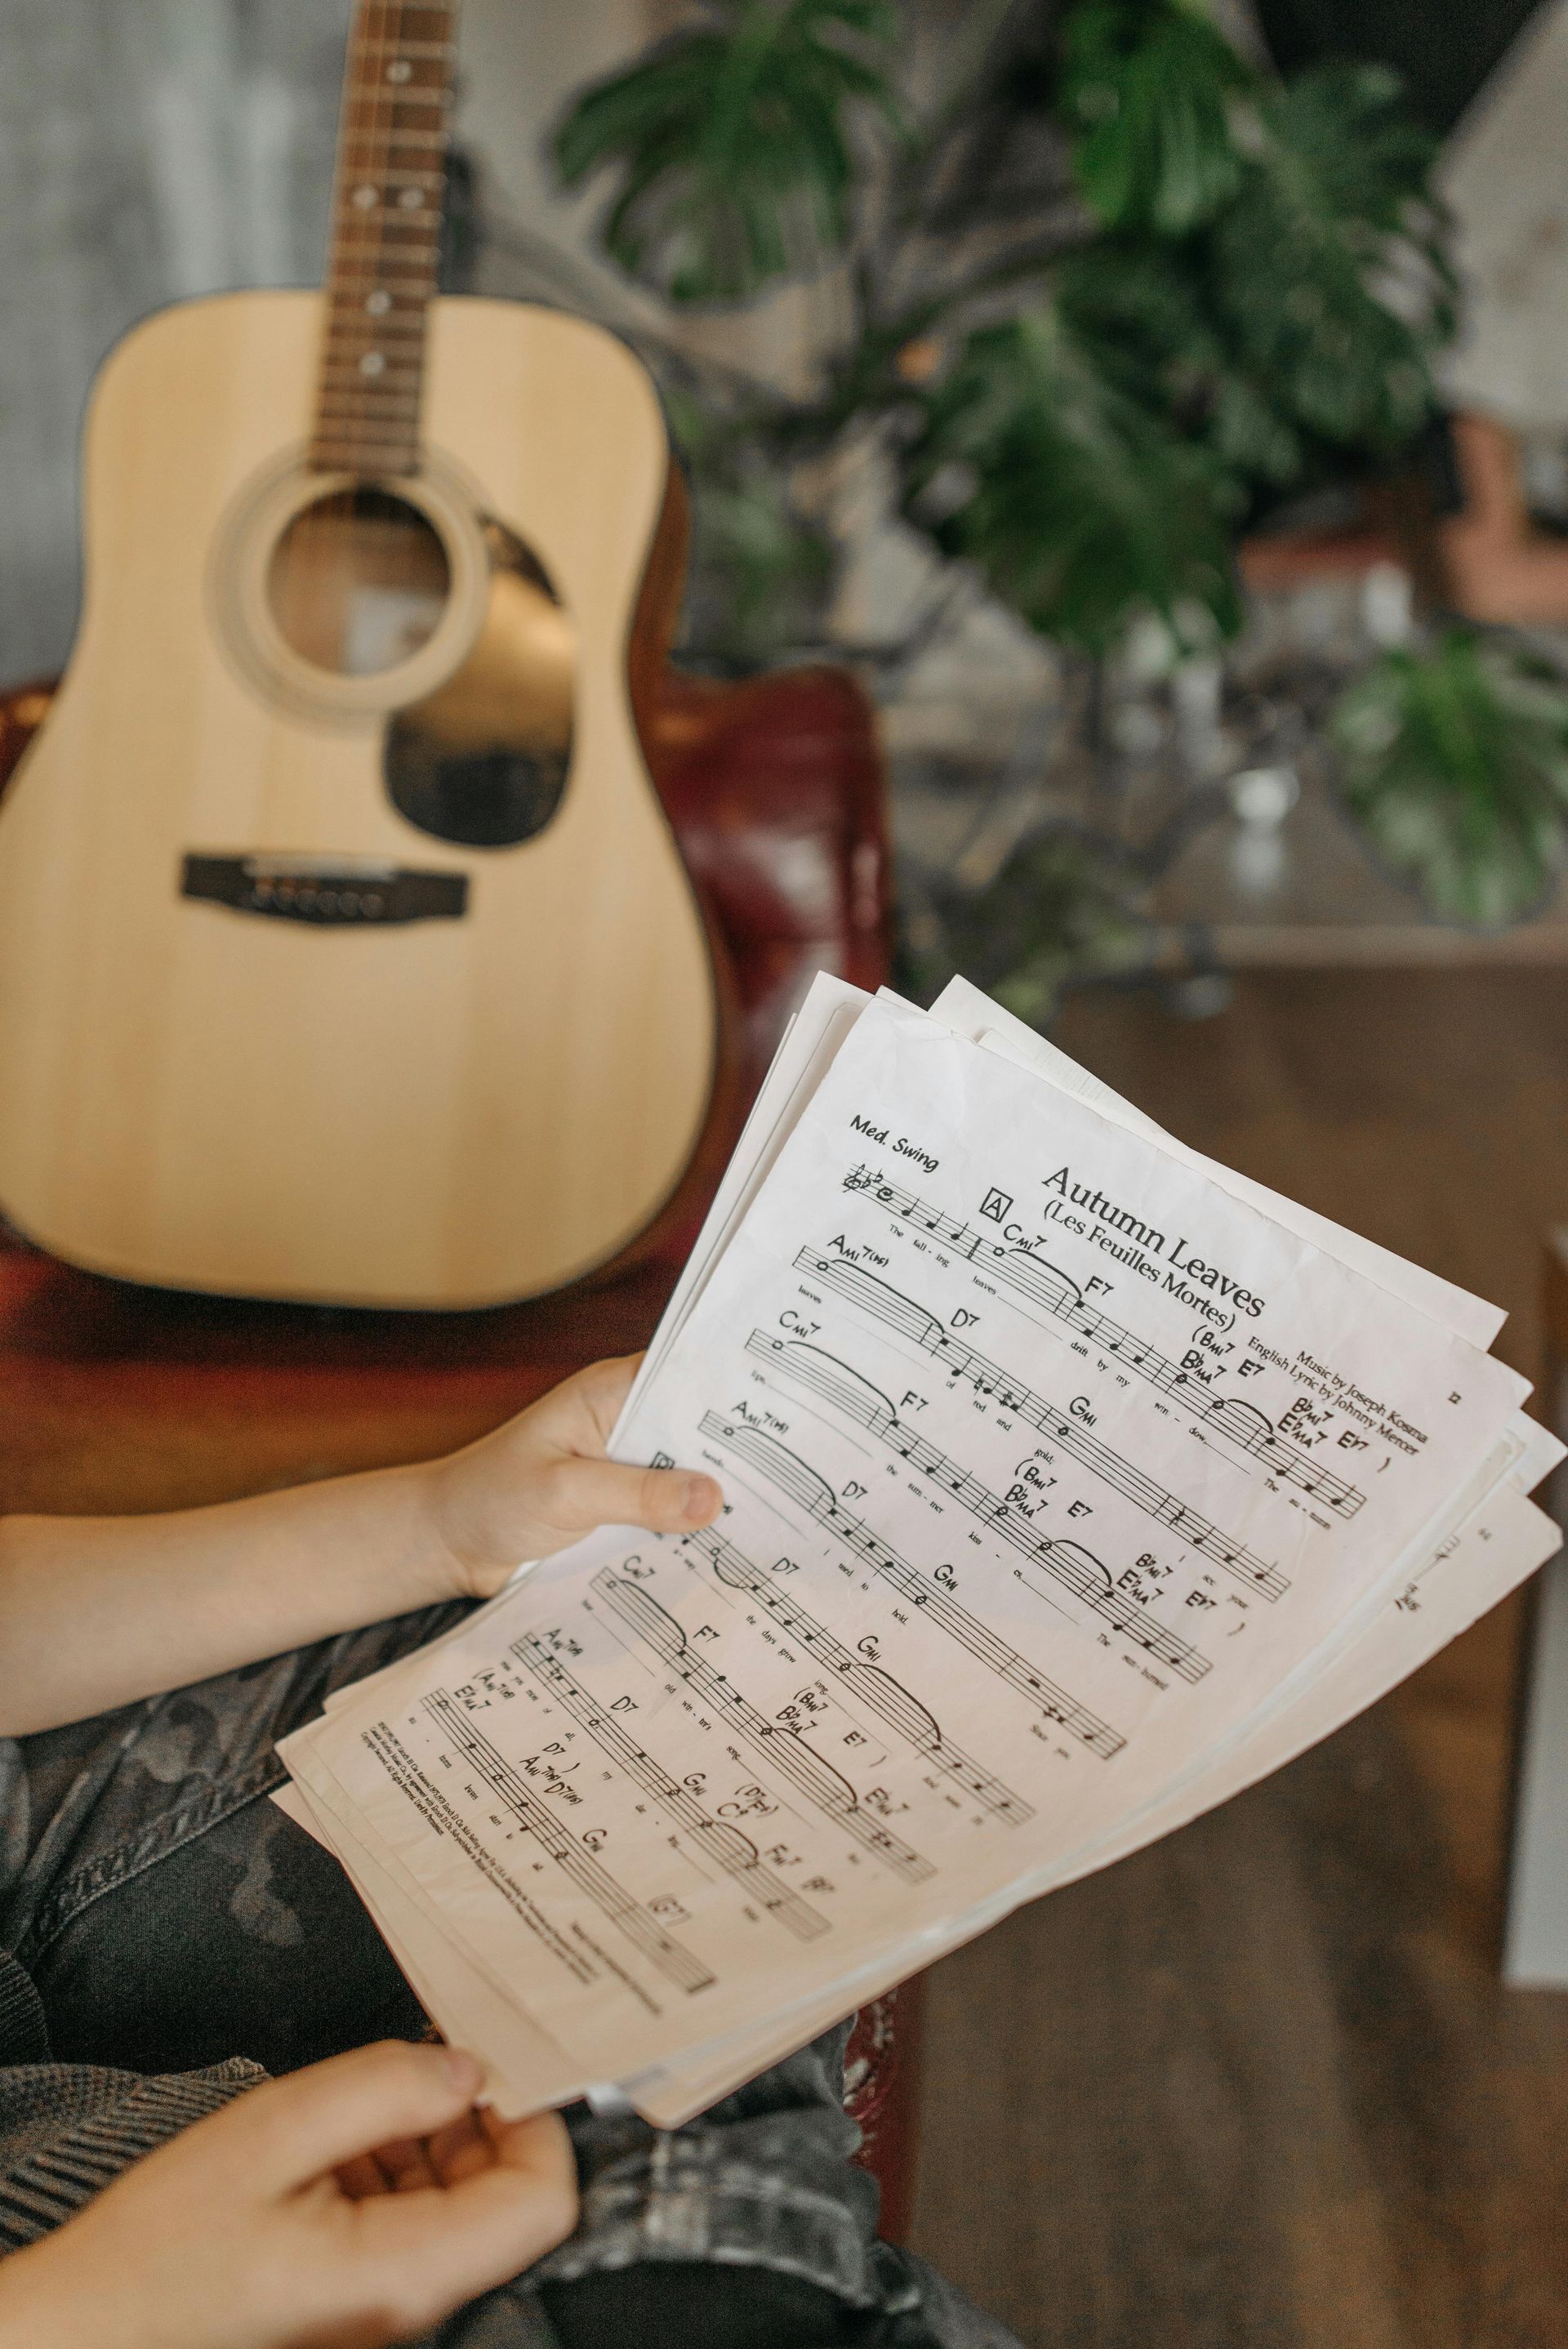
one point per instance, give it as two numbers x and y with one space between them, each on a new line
385 235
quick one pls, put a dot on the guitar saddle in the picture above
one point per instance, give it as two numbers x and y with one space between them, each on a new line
346 893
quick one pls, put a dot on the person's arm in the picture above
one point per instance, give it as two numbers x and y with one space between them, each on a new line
94 1611
357 2202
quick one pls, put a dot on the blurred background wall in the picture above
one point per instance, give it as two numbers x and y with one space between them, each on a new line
152 150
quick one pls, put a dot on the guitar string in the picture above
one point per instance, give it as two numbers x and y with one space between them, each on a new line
319 525
389 21
332 519
378 36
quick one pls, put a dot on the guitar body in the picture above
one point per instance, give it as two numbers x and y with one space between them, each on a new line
328 987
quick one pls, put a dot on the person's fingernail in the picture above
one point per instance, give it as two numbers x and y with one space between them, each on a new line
464 2071
699 1498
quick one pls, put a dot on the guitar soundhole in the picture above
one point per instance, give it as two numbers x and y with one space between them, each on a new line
484 761
359 582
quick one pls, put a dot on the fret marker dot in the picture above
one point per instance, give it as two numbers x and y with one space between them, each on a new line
364 198
411 198
399 70
379 302
372 363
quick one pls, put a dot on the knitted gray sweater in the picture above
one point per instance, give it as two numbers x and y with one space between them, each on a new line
67 2130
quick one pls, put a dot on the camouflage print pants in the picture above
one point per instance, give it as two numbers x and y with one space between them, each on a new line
171 1918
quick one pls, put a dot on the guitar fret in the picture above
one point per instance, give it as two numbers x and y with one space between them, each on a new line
341 403
342 378
361 391
392 444
375 282
414 259
410 94
344 399
406 180
416 232
381 106
394 138
354 441
374 331
394 363
406 361
347 387
355 221
378 281
382 456
351 424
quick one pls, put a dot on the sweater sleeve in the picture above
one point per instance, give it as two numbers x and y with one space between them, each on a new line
67 2130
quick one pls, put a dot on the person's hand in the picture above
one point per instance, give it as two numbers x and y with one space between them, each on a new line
542 1481
269 2226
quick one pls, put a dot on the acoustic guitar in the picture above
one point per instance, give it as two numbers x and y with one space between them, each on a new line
346 953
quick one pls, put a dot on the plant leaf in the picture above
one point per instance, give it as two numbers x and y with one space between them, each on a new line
731 142
1329 269
1148 85
1079 503
1455 765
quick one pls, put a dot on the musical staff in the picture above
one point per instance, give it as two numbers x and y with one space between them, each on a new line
1067 1562
877 1689
1250 1430
725 1844
896 1311
640 1926
814 1494
782 1749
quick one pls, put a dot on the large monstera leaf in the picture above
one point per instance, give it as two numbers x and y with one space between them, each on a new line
1148 85
1455 765
1331 217
1081 505
733 145
1144 312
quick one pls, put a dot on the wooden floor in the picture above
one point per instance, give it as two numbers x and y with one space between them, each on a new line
1259 2085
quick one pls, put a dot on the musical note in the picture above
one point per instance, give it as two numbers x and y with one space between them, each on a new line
641 1929
725 1844
896 1311
1067 1562
782 1749
1035 1277
878 1690
814 1494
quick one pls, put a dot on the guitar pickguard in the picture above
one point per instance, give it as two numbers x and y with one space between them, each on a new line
483 761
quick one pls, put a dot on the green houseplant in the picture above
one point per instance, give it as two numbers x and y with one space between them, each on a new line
1089 287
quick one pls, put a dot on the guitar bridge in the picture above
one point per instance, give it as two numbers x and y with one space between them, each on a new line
333 893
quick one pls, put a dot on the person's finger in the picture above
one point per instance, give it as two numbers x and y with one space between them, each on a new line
361 2176
459 2151
436 2251
407 2164
580 1494
288 2131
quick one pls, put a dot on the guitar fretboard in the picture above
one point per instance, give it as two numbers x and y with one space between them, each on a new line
386 236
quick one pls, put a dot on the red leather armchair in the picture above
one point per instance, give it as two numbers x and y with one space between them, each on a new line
116 1398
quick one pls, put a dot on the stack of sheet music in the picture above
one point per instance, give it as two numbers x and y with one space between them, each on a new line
1073 1482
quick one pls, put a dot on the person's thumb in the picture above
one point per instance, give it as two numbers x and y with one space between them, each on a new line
587 1493
290 2131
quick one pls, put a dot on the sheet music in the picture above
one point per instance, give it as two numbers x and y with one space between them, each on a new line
1053 1468
1502 1540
